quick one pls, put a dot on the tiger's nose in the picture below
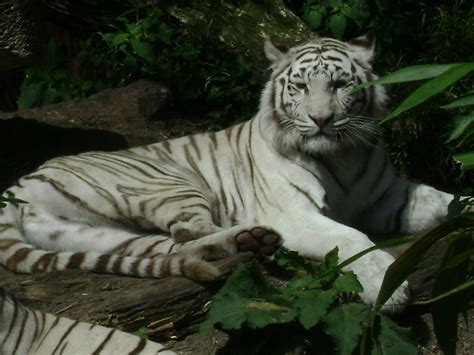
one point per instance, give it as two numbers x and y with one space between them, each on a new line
320 121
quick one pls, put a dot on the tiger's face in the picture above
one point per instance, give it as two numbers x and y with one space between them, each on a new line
310 94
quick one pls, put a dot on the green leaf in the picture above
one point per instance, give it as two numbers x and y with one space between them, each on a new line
143 50
247 298
233 311
334 3
383 245
300 283
431 88
313 18
461 288
345 325
291 261
445 311
312 305
412 73
347 282
393 339
337 24
461 123
50 96
405 264
120 38
331 258
31 94
466 160
360 12
463 101
87 85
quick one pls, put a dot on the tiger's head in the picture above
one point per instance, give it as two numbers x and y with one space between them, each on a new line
310 98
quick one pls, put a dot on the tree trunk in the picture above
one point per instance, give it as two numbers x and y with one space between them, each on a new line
242 28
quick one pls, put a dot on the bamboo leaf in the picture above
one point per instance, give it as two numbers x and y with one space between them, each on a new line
463 101
431 88
460 125
412 73
405 264
466 160
466 285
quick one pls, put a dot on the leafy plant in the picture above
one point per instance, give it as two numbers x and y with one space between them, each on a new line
454 282
442 76
317 296
146 43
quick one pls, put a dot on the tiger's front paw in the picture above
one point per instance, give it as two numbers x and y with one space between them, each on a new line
370 270
260 240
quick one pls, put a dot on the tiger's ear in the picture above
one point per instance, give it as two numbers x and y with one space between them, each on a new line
274 53
364 46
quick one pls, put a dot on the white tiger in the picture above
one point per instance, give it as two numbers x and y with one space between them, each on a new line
29 331
309 167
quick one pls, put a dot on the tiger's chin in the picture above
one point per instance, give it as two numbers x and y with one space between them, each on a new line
320 144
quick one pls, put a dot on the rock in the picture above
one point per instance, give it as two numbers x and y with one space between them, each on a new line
19 33
109 120
131 111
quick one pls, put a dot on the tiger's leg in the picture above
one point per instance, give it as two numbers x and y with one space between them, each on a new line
89 248
184 211
263 241
406 207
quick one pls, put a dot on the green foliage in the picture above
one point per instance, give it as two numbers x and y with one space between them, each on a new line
313 297
453 281
51 82
442 77
10 199
147 43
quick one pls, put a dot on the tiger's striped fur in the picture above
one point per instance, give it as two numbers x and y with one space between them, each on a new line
310 164
29 331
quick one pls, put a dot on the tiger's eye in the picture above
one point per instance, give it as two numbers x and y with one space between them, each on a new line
339 84
300 86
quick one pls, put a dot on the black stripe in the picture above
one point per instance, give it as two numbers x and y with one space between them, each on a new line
66 333
307 195
399 213
55 323
102 345
26 313
141 345
192 140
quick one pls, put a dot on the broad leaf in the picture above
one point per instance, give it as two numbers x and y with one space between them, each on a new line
291 261
466 160
312 305
431 88
337 24
393 339
345 325
313 18
31 93
347 282
247 298
233 311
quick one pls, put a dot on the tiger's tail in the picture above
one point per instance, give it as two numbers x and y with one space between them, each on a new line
28 331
